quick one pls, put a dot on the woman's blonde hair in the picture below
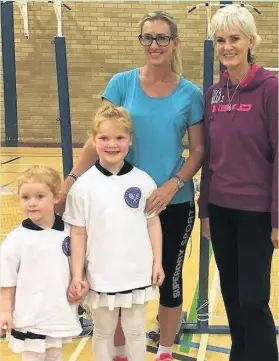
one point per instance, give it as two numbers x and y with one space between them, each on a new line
176 63
231 16
118 115
41 174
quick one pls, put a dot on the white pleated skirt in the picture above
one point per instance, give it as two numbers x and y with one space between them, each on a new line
94 299
39 345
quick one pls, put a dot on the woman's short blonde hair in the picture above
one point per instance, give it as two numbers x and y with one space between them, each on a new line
176 63
118 115
231 16
41 174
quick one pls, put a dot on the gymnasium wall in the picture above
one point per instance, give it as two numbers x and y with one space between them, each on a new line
101 41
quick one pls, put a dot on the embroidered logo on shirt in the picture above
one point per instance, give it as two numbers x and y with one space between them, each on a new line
132 197
217 96
66 246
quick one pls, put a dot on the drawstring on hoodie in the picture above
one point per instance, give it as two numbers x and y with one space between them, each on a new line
230 99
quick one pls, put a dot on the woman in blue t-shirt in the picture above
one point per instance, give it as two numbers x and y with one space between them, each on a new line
163 106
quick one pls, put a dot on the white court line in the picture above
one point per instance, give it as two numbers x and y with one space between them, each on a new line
5 191
78 350
212 299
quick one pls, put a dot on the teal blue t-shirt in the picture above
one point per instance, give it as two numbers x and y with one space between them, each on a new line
159 125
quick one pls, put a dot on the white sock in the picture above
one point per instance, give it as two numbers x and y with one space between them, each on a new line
119 350
164 349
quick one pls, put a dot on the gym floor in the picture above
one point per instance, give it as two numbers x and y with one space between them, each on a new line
191 347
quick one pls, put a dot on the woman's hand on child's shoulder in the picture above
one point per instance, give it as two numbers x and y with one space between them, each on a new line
6 322
160 197
158 274
60 206
77 290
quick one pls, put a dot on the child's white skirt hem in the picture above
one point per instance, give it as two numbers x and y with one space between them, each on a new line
94 299
35 345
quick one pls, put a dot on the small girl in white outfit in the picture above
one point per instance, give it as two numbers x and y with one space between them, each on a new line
120 247
35 273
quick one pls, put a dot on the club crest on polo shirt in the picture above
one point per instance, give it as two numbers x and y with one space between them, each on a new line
132 197
66 246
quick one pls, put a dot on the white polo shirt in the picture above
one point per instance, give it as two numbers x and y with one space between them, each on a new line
35 261
111 207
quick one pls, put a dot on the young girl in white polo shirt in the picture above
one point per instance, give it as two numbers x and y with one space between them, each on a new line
111 236
35 272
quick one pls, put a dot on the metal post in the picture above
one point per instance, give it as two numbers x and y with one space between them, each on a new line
9 74
64 104
208 61
22 4
57 5
225 2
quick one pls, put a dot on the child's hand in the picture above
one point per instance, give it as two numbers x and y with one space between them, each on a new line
158 274
77 289
6 322
84 287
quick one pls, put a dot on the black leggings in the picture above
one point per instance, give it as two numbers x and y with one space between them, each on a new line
243 252
177 222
